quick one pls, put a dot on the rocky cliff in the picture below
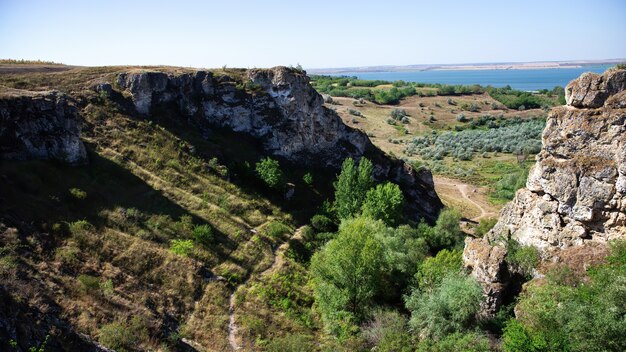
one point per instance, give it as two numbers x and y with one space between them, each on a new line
576 192
279 107
42 125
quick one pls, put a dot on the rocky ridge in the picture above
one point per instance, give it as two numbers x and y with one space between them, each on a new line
279 107
575 193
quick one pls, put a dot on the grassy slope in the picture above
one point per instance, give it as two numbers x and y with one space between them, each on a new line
147 183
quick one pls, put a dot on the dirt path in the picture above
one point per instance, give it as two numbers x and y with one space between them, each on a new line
278 261
468 192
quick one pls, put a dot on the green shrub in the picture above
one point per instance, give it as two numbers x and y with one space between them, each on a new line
269 171
387 332
67 255
308 178
80 227
123 336
573 315
398 114
485 225
291 343
89 284
459 341
78 193
524 258
448 308
181 247
203 234
276 229
322 223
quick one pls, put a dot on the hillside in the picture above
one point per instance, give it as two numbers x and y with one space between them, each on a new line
132 216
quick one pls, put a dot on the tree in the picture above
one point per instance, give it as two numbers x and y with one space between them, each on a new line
385 202
351 186
432 270
347 273
447 231
269 171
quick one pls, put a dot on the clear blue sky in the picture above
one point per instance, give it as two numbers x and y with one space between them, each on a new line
315 34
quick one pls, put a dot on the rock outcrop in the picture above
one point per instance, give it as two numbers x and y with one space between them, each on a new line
576 192
40 126
279 107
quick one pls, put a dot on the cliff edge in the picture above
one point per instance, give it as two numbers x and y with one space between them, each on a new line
575 194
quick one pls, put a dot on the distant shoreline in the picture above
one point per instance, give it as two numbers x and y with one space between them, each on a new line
469 67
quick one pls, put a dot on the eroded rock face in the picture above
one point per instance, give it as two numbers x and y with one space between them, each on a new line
40 126
575 193
279 107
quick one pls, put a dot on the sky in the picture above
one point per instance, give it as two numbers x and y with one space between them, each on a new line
315 34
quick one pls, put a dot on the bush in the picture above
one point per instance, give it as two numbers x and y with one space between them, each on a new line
398 114
89 284
448 308
322 223
508 185
123 336
203 234
387 331
572 315
524 258
269 171
485 225
308 178
354 112
78 193
116 336
466 342
514 136
291 343
276 229
385 202
181 247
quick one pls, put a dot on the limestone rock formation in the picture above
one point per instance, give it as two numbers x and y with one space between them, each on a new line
576 192
279 107
40 126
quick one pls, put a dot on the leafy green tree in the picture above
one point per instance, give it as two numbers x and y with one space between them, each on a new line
351 186
447 230
385 202
347 274
269 171
432 270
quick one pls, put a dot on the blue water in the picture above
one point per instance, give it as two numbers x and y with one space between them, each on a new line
518 79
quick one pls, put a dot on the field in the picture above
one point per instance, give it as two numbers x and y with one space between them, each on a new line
429 115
